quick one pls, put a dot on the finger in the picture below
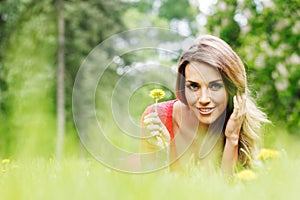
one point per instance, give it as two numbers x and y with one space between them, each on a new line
239 102
165 134
153 127
159 142
235 107
242 103
161 131
154 133
156 142
241 97
235 102
150 134
151 115
152 120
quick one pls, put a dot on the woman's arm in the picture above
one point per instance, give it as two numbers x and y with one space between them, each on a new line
232 134
155 137
230 155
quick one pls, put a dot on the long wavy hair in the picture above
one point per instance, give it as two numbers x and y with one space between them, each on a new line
217 53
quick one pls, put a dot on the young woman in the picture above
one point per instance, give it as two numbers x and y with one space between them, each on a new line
213 118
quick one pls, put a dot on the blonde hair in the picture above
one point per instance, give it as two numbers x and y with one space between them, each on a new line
217 53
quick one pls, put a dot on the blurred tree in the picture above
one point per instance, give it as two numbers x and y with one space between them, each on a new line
222 23
28 48
177 9
60 79
88 23
9 14
29 25
179 14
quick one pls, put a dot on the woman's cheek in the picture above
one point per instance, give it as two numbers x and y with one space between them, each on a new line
220 97
191 97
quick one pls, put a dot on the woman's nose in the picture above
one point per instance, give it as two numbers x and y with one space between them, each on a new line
204 97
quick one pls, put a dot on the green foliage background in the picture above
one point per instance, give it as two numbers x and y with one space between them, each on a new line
268 43
265 33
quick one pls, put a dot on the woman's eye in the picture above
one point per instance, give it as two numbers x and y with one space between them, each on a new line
193 86
216 86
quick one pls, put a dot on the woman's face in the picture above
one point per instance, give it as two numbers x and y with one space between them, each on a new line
205 92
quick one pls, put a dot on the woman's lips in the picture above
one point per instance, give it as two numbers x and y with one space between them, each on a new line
206 111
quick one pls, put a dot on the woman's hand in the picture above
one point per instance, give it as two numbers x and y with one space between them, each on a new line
234 124
156 134
232 134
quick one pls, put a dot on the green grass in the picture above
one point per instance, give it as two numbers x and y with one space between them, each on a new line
75 178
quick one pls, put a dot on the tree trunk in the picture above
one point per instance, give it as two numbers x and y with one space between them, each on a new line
60 80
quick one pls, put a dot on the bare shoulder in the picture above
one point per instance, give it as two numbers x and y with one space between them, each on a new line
178 110
184 118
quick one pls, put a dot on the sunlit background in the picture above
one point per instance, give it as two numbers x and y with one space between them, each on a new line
40 149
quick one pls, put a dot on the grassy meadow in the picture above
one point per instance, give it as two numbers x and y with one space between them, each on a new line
85 178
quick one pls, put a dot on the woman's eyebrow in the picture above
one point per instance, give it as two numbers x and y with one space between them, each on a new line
214 81
191 81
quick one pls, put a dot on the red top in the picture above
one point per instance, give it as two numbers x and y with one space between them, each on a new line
164 110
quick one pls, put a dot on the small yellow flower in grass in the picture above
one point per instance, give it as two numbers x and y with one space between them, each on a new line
246 175
264 154
157 94
4 161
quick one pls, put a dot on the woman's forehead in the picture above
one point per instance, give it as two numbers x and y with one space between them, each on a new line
201 72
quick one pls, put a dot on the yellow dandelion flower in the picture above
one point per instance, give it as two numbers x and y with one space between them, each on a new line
246 175
4 161
264 154
157 94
